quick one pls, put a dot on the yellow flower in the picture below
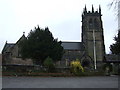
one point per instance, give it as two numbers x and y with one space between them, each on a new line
76 65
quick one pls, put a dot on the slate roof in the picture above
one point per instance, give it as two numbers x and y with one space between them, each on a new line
112 58
66 46
73 46
8 45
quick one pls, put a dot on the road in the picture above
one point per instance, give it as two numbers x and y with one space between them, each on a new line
60 82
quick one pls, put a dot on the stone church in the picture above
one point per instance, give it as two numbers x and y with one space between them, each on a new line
91 49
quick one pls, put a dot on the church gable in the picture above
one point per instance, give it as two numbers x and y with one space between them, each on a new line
11 50
8 47
22 38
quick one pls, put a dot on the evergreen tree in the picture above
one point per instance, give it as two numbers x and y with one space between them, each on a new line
115 48
40 44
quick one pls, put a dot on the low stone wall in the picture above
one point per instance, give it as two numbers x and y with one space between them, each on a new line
33 68
17 68
63 70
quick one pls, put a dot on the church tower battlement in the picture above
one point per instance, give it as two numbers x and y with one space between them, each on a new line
92 34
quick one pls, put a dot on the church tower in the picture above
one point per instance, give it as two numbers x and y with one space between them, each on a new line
92 35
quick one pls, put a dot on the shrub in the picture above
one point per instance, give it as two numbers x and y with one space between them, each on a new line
108 66
76 67
49 64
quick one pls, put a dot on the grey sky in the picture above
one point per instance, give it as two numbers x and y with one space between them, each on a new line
63 17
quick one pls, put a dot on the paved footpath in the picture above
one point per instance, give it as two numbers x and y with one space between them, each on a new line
60 82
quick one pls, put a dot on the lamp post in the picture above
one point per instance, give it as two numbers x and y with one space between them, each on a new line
94 49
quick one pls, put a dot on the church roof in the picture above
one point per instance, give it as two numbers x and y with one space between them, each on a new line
8 46
73 46
112 58
66 46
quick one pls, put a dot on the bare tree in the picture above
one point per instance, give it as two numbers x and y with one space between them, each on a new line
115 4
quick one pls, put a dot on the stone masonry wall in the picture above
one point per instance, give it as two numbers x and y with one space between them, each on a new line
0 59
20 61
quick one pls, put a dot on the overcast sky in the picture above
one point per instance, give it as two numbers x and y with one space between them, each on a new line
63 17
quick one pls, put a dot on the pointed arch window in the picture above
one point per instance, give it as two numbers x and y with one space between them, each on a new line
90 24
96 24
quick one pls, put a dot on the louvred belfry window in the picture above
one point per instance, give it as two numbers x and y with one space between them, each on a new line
96 24
90 24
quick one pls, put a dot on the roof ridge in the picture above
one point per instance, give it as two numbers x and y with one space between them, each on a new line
10 43
71 42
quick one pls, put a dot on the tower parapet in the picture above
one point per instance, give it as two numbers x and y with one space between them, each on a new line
93 12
